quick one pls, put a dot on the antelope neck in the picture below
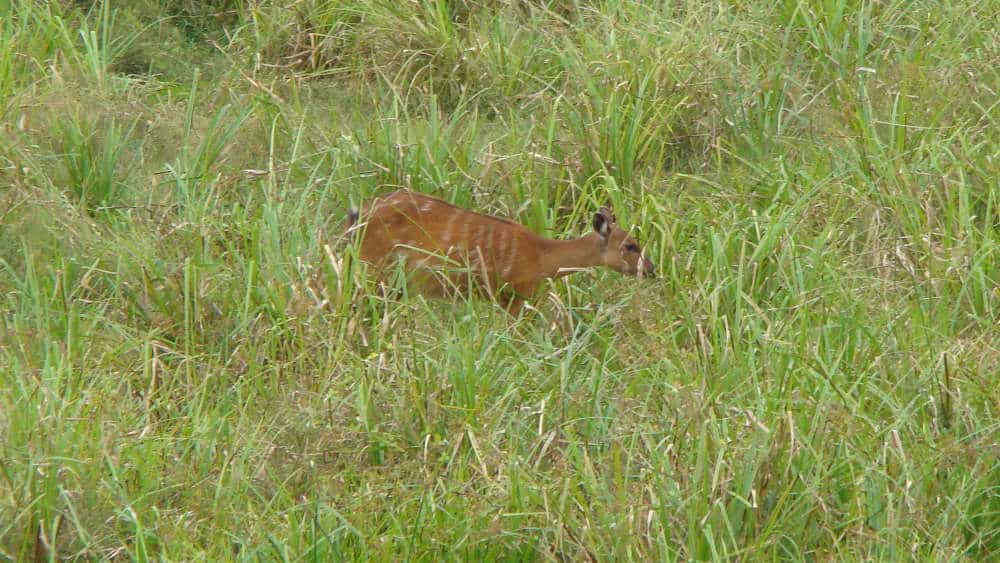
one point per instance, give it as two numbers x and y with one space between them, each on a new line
570 254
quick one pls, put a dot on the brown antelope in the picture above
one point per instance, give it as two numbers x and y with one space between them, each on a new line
444 246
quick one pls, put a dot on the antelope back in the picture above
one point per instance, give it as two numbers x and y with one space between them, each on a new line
447 242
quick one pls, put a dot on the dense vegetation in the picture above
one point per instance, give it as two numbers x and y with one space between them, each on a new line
190 368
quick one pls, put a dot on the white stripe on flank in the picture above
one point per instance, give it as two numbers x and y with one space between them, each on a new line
463 240
507 269
480 235
512 258
448 227
501 252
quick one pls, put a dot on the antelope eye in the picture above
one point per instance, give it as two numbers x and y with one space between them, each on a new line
632 247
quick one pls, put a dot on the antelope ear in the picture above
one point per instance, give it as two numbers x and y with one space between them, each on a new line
602 223
608 214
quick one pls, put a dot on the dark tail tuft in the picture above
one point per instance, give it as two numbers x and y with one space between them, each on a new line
352 217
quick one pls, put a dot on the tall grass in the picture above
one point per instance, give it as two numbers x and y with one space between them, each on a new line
194 364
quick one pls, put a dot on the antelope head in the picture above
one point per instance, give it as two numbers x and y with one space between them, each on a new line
618 250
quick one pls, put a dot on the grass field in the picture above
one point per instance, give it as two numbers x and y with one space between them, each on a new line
190 368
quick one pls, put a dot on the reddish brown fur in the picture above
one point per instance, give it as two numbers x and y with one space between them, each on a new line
444 246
